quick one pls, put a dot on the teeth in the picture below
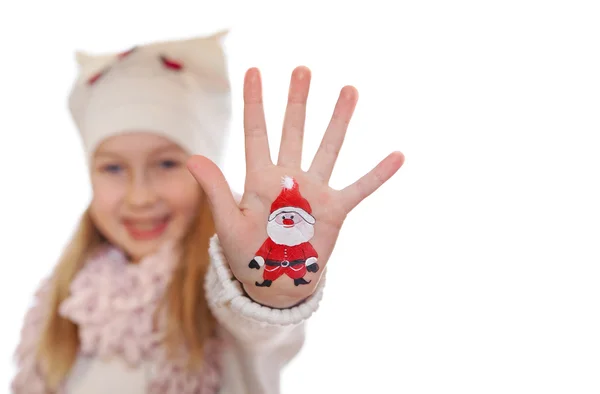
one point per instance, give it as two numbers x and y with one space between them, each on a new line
145 226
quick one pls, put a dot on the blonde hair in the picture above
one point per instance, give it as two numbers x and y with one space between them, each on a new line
189 320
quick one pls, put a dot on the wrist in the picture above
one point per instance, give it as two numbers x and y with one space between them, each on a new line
266 298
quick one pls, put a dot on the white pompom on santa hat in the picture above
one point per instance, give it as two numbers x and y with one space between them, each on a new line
290 200
178 89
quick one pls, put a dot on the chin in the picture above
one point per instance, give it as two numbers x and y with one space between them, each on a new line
138 249
141 249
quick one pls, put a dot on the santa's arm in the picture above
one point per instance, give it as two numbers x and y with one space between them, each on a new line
311 256
261 255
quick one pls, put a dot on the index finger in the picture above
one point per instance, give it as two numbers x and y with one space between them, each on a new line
255 128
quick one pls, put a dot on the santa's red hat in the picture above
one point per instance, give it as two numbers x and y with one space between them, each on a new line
290 200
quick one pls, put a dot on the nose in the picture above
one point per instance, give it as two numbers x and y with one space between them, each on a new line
288 222
140 193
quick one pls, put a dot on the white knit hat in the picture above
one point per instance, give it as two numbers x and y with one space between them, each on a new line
178 89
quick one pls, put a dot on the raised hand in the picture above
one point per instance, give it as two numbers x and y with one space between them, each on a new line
279 238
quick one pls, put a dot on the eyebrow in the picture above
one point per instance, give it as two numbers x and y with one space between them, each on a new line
160 150
109 154
166 148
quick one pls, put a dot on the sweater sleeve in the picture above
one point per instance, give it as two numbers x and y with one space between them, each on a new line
252 324
28 378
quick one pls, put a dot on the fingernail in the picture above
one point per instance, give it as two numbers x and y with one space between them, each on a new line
254 75
349 92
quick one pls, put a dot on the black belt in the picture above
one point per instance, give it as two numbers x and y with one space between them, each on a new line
284 263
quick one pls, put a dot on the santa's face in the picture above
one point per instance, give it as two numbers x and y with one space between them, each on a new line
289 228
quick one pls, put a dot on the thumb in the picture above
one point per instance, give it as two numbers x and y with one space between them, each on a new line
216 188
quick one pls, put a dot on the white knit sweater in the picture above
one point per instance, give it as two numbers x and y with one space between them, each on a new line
113 304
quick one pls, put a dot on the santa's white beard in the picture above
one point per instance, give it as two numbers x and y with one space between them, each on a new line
290 236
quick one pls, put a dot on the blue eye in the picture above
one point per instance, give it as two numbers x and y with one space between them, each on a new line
167 164
114 168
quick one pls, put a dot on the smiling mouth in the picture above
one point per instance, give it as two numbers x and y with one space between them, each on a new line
147 229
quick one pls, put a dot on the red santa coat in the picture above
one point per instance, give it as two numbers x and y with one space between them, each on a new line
285 259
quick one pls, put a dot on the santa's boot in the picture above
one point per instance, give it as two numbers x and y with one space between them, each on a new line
301 281
266 283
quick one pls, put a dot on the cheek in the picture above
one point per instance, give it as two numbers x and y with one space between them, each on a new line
104 207
107 197
182 194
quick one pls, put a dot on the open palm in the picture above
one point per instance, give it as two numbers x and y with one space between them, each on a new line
242 229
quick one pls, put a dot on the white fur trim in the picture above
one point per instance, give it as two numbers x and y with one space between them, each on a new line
311 261
287 182
305 215
259 260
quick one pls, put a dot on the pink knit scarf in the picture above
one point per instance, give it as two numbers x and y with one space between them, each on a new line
113 303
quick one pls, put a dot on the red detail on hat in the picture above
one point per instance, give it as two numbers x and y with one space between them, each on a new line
123 55
173 65
290 197
95 77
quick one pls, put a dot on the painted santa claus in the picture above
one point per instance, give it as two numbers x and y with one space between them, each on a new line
290 227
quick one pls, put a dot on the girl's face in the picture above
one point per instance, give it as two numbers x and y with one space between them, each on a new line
143 193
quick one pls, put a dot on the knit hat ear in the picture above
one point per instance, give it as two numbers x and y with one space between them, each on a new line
82 58
178 89
90 64
220 35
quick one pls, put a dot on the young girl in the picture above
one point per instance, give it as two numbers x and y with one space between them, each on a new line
171 284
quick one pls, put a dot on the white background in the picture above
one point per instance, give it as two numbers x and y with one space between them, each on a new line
474 270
